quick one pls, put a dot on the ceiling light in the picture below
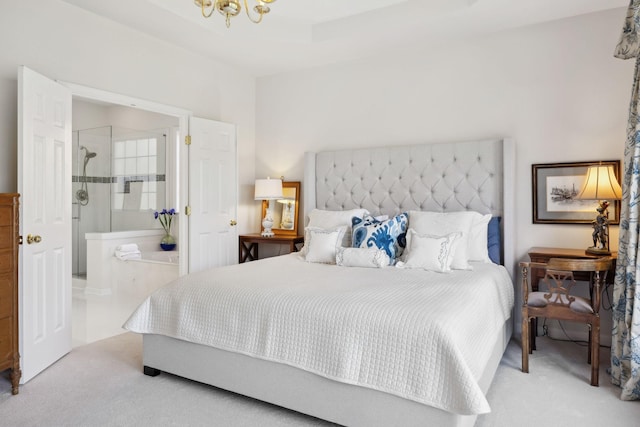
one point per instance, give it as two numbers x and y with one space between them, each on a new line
231 8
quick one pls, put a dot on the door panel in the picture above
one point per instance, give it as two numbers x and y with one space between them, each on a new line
213 240
44 182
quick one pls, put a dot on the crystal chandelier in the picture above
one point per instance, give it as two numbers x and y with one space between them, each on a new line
231 8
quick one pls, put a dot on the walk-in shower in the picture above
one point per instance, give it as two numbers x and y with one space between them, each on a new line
118 180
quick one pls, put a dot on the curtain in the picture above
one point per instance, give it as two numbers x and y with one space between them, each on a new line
625 345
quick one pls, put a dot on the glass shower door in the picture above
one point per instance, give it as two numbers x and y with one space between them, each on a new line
91 183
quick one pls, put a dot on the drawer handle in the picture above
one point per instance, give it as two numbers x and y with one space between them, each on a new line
33 239
233 223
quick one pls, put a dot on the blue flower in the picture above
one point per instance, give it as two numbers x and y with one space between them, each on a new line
165 217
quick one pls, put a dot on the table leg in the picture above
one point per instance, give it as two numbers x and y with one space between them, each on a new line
247 252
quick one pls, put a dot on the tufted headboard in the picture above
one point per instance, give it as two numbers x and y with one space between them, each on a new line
446 177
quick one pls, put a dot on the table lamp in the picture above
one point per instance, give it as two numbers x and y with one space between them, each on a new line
268 189
601 184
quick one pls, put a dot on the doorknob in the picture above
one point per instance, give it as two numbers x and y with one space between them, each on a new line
232 223
33 239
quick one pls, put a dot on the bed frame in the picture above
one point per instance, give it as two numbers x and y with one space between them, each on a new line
477 175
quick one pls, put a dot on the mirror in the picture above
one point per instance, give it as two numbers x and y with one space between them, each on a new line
285 210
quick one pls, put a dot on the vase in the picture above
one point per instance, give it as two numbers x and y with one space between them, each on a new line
168 243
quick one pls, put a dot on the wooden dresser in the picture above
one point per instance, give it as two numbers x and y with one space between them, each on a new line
9 240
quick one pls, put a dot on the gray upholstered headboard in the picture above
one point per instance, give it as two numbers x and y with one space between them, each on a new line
447 177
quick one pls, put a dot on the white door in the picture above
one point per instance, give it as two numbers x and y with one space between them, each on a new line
213 187
44 183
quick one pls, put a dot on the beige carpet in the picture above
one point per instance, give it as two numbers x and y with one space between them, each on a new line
556 391
101 384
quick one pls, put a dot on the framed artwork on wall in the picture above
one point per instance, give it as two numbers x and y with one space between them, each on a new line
555 187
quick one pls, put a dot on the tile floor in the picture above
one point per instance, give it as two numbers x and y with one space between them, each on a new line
97 317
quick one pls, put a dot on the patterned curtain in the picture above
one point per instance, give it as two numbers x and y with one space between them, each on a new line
625 346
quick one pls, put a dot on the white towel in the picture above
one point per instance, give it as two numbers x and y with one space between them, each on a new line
128 247
128 255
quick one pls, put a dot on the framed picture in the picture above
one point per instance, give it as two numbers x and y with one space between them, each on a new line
555 187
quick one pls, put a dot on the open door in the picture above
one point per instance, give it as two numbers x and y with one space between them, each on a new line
44 183
213 189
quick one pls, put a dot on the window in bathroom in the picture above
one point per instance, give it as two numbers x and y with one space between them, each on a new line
136 174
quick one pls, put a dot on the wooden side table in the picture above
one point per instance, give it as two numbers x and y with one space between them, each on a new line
248 244
543 254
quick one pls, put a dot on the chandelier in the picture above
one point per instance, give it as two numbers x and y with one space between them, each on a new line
231 8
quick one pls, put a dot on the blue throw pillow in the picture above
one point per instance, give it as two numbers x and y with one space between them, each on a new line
493 240
389 235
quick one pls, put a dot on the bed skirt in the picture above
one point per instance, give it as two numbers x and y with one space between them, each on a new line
302 391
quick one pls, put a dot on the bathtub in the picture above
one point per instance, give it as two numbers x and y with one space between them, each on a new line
160 257
107 274
143 276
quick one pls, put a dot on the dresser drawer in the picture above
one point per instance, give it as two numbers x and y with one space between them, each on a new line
6 295
6 261
6 213
6 242
6 344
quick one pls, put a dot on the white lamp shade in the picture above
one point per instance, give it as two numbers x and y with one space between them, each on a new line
268 189
601 184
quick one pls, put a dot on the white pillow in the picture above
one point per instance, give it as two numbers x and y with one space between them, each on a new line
433 253
362 257
442 224
322 244
332 219
478 238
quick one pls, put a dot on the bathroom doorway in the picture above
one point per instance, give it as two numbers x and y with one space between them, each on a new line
119 179
210 141
121 174
124 169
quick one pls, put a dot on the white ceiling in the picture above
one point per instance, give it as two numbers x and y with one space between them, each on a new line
306 33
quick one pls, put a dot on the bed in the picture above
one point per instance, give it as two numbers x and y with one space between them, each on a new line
351 345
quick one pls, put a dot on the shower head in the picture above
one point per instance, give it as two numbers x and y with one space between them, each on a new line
88 154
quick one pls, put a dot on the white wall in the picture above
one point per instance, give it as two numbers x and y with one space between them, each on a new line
68 44
555 88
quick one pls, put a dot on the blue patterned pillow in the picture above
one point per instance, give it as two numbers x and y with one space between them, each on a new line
390 235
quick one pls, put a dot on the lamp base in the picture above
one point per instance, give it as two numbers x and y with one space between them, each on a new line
597 251
267 224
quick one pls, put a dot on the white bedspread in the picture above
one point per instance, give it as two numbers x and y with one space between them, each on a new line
420 335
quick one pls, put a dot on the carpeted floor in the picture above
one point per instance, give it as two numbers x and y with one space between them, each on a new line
556 392
101 384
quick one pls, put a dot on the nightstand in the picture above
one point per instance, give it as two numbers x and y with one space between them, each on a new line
248 244
540 254
543 255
